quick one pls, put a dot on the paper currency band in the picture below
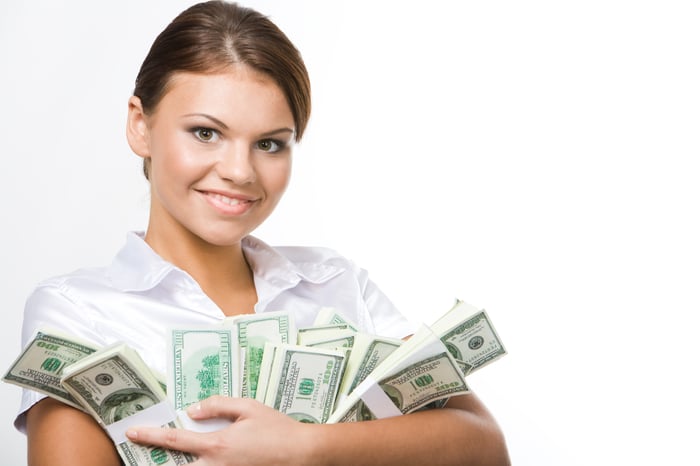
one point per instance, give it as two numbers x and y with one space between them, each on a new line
206 425
156 415
377 400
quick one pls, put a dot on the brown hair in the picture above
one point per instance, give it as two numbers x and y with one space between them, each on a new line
213 35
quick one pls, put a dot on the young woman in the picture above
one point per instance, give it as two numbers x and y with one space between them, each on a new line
219 101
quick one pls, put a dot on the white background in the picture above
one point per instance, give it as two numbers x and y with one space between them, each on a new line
535 158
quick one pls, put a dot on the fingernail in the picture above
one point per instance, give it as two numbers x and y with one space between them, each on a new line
194 410
132 434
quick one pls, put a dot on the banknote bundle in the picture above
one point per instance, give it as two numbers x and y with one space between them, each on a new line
41 364
112 384
251 332
419 372
329 372
301 381
116 387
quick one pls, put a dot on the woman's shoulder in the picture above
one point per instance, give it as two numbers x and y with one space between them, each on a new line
76 278
69 287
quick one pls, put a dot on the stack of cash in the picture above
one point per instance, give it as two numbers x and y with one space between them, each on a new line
331 372
327 373
41 364
419 372
301 381
116 387
112 384
470 336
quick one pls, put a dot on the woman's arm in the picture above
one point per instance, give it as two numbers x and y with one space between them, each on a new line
463 433
60 435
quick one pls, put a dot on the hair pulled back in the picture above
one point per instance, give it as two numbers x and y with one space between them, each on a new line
214 35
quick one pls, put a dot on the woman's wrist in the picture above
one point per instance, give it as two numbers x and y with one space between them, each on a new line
316 442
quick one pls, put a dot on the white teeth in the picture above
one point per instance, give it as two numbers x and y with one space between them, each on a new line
226 200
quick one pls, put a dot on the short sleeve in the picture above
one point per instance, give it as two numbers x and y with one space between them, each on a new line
50 307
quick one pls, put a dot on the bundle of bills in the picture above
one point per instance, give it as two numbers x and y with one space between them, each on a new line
470 336
330 372
301 381
367 353
41 364
327 336
116 387
201 363
330 316
419 372
251 332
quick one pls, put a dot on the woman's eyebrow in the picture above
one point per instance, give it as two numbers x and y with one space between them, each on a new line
276 131
208 117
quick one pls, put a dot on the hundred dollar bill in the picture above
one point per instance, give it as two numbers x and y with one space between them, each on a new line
433 378
340 340
200 365
162 379
40 366
367 353
265 369
251 333
465 368
329 316
469 336
116 387
427 384
420 372
303 382
307 336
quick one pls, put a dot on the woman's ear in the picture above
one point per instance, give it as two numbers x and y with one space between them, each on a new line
137 128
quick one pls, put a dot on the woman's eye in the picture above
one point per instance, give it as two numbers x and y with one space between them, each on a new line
270 145
204 134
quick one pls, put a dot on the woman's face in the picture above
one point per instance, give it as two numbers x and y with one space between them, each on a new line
220 154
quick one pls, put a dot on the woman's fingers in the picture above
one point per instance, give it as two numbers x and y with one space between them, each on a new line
172 439
218 406
201 444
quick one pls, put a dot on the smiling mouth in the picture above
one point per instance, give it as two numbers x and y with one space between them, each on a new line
228 200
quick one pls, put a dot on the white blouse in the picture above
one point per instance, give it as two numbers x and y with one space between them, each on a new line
140 294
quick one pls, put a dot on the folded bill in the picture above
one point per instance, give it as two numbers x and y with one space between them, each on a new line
367 353
116 387
470 336
419 372
301 382
331 316
201 364
40 365
251 332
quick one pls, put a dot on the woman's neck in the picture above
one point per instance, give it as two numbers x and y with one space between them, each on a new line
222 272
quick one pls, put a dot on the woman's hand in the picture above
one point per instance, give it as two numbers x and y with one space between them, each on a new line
462 433
259 435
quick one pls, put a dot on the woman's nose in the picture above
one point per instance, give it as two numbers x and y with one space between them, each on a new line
236 164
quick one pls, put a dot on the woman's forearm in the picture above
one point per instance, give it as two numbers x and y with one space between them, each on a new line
463 434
